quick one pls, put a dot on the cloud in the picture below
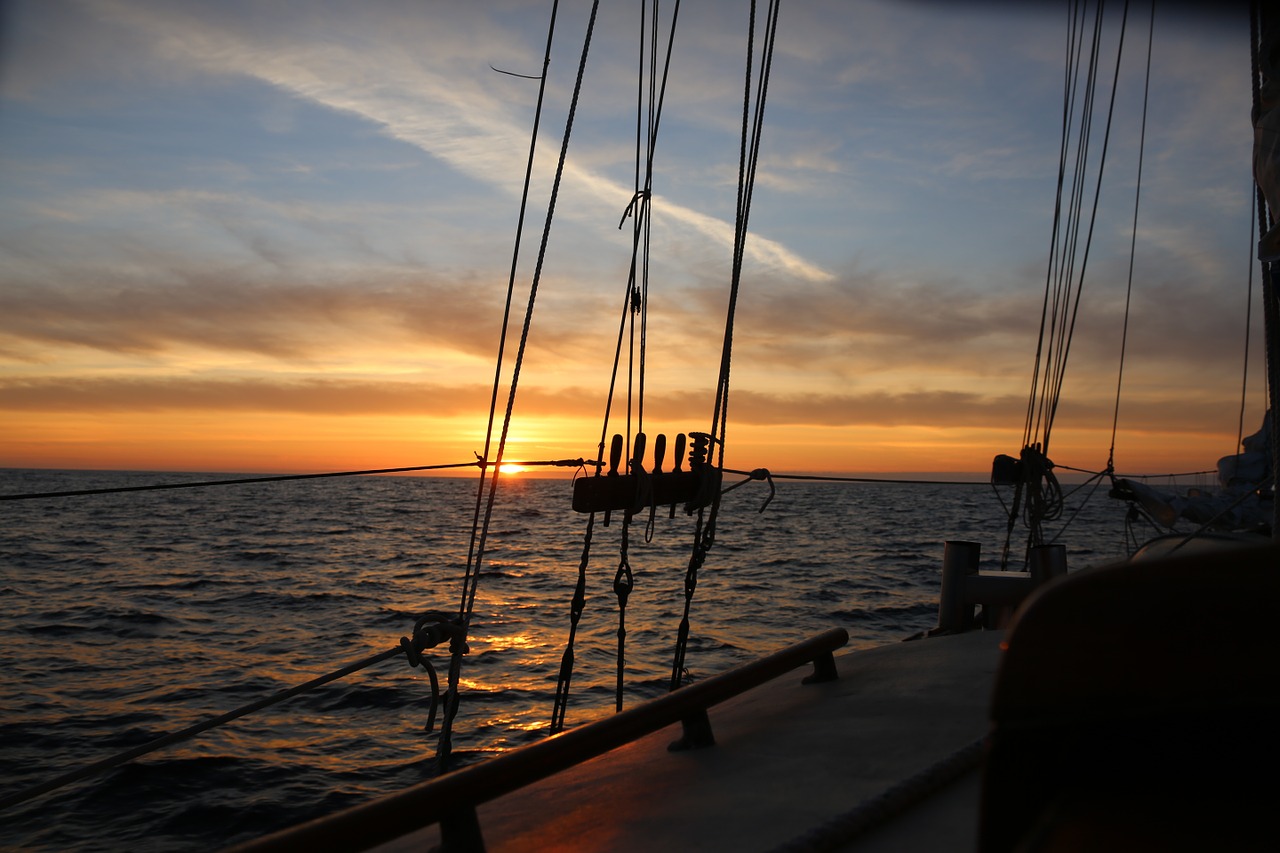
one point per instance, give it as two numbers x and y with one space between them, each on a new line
941 409
305 396
424 98
288 320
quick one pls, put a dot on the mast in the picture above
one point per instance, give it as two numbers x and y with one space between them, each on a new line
1265 48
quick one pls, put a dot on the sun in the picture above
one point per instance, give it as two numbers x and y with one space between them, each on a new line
511 468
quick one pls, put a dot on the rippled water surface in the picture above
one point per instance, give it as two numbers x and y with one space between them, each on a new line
128 616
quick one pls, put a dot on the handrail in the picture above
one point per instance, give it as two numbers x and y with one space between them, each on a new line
451 800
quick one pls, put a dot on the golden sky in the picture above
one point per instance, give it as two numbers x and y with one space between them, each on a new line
249 237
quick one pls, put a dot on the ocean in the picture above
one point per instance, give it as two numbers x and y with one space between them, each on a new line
128 616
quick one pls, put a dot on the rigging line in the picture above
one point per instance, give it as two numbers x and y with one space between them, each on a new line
749 153
193 730
1248 324
511 286
705 528
1068 118
737 229
635 304
837 479
762 91
635 231
471 582
1061 228
522 76
1133 248
1069 248
1093 218
1167 476
529 308
647 225
657 97
1095 482
632 307
1241 498
239 481
576 606
1053 233
638 273
641 205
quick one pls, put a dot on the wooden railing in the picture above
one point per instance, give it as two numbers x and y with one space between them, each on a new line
451 800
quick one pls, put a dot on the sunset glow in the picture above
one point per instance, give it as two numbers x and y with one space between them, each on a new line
247 238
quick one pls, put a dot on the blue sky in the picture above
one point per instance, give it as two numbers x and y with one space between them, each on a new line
244 221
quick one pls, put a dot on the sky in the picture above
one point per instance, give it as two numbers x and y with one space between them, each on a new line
276 236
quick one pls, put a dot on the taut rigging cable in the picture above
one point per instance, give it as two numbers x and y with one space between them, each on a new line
471 579
634 303
748 158
1037 496
1133 242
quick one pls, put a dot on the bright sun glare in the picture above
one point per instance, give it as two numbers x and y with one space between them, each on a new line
510 468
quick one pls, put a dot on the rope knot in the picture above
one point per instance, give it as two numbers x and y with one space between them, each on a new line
631 206
431 629
623 582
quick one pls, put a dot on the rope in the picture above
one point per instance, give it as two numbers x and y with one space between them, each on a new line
623 583
634 305
193 730
154 487
1093 218
576 607
1037 496
472 578
511 276
1133 241
888 804
640 206
830 478
748 158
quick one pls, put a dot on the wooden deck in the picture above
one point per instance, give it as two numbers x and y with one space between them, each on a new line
788 760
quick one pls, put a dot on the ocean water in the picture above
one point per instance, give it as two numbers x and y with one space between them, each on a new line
128 616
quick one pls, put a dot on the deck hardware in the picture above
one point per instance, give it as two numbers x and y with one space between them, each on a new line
964 586
460 832
395 815
697 732
824 669
633 488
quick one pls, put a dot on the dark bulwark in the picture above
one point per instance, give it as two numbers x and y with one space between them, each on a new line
1136 708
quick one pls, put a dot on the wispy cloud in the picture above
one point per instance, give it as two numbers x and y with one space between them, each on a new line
290 208
404 398
420 99
287 320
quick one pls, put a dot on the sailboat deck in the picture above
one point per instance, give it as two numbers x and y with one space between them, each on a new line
789 759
